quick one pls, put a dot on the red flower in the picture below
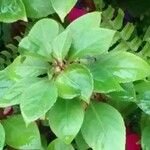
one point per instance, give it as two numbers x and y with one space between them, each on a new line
75 13
132 141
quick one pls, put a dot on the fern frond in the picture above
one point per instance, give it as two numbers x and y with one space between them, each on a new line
8 55
125 38
145 52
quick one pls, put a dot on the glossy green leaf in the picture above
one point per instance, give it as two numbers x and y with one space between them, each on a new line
37 99
124 101
65 119
13 94
127 94
28 67
59 145
10 73
20 136
2 137
93 42
12 10
38 8
143 95
81 144
126 67
104 81
145 138
61 45
63 7
75 80
5 83
38 42
90 20
103 127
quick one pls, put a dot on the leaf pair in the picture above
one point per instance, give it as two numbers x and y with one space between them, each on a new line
35 96
82 43
101 123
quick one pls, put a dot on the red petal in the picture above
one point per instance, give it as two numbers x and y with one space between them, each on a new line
132 142
75 13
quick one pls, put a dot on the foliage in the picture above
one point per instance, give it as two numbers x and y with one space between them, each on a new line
79 83
125 38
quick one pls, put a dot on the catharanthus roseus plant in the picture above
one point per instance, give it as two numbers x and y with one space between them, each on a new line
63 79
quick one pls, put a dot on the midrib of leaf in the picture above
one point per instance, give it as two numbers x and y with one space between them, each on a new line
75 83
14 98
100 122
84 49
41 95
131 68
36 67
62 45
44 96
66 108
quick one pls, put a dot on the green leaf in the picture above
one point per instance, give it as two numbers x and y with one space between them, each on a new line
61 45
19 136
59 145
12 10
37 99
63 7
143 95
104 81
65 119
89 20
93 42
126 67
5 83
145 138
28 66
103 127
128 94
13 94
2 137
47 30
124 101
38 8
81 144
75 80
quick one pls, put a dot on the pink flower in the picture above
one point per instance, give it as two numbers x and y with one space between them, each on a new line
75 13
132 141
